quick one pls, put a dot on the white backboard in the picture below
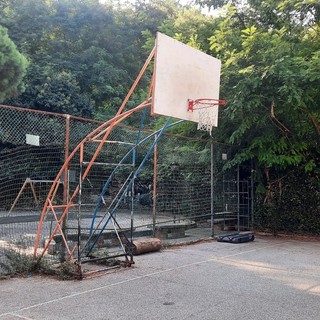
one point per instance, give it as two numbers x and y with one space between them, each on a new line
181 73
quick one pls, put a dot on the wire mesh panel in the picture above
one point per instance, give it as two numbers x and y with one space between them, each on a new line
190 185
26 175
16 124
32 151
183 180
181 185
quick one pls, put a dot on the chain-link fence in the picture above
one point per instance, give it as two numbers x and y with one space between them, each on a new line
177 185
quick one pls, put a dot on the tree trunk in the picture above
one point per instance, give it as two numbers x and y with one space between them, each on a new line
146 245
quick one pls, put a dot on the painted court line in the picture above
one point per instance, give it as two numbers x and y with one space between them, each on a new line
20 317
14 313
252 250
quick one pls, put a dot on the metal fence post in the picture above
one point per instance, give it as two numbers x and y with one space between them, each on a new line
154 200
66 155
65 182
211 191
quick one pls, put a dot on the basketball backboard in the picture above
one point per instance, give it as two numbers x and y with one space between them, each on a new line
182 73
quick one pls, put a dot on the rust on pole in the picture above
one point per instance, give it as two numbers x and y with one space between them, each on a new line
103 130
66 155
111 123
142 71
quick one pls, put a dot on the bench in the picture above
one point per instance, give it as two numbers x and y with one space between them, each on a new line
226 219
170 231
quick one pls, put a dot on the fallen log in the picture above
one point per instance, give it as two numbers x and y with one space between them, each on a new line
146 245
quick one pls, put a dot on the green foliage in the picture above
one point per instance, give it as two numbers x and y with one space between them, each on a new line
189 26
18 263
212 3
93 50
297 205
13 67
84 56
269 78
68 271
62 93
151 14
177 174
85 47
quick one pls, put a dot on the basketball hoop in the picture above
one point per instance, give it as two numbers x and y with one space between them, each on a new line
208 112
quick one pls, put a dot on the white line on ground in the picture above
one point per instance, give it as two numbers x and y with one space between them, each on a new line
248 251
20 317
133 279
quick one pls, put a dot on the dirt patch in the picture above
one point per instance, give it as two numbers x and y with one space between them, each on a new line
299 237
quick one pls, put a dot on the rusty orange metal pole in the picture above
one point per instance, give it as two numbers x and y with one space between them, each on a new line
66 155
112 122
142 71
65 183
69 204
106 129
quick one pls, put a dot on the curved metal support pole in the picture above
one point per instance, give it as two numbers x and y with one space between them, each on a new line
160 133
109 124
105 187
133 150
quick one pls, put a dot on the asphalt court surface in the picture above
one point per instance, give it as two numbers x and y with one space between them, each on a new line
265 279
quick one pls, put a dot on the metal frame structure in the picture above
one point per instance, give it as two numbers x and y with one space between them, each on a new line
100 137
31 183
80 253
238 199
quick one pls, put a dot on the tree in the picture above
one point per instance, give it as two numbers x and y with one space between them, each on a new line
13 67
270 75
61 93
91 42
270 78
